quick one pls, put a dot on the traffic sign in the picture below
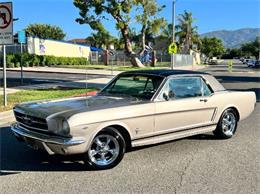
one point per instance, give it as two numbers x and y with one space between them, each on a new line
6 23
172 49
21 37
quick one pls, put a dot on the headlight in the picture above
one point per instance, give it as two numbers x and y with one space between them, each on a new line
65 127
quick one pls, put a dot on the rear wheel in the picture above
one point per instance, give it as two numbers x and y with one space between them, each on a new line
227 124
106 150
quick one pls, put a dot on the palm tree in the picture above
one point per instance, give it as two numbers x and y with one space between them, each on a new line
187 33
101 39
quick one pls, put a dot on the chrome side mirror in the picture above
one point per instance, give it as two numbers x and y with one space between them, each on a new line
165 96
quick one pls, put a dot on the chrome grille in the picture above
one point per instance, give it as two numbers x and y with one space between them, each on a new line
31 122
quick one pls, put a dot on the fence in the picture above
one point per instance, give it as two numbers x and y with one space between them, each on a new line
14 49
163 59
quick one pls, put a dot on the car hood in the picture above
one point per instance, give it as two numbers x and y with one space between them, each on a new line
70 106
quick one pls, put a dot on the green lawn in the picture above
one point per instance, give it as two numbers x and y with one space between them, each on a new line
115 67
41 94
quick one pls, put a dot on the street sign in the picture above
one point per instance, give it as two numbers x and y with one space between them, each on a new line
172 49
21 37
6 23
6 37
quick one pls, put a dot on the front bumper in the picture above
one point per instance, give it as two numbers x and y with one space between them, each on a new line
53 145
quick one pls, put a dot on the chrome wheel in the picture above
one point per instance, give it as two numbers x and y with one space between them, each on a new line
229 123
104 150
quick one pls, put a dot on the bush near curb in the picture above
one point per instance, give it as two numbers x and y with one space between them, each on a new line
29 60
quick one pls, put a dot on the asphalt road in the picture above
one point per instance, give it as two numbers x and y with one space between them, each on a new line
31 78
198 164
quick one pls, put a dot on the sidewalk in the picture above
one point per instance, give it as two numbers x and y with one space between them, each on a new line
6 118
47 69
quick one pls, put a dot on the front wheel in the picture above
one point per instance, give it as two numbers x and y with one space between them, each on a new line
106 150
227 124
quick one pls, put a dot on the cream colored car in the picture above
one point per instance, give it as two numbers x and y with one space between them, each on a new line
136 108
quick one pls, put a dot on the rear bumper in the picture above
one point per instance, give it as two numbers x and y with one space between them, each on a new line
53 145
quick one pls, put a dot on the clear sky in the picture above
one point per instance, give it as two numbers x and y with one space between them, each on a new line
210 14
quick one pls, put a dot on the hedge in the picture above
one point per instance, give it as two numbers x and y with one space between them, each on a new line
14 60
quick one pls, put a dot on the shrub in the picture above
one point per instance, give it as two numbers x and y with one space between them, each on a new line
13 60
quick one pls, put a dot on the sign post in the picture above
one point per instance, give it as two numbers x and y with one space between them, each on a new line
4 77
21 40
6 36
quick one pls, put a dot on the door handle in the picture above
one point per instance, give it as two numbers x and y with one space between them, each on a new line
203 100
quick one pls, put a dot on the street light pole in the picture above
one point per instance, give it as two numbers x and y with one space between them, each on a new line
173 20
173 30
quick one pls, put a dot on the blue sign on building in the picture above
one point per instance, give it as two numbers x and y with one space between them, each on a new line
21 37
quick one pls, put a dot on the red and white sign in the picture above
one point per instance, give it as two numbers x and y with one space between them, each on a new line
6 23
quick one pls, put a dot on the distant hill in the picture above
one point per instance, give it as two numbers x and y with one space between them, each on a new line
234 38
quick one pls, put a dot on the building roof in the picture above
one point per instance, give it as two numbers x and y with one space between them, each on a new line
163 72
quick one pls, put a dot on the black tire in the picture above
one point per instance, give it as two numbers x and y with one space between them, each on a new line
230 129
110 160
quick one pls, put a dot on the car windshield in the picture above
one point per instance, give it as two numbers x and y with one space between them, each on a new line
139 86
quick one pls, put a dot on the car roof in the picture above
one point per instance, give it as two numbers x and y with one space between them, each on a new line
163 72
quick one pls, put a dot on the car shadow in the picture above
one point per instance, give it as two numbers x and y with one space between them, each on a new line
17 157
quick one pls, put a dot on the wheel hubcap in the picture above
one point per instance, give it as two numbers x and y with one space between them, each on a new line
229 123
104 150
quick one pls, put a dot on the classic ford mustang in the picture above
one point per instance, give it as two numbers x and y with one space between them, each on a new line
136 108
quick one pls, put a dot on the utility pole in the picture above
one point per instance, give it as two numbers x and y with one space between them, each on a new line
173 30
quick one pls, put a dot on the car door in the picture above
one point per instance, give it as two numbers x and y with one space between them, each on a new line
183 103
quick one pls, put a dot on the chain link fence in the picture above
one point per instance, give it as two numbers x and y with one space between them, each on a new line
163 59
14 49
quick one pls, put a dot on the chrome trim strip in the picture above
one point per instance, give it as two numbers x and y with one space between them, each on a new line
44 138
172 132
214 114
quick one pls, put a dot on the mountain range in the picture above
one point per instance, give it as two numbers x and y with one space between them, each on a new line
234 38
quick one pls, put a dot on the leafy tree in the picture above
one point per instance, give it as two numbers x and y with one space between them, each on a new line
167 33
94 12
187 33
232 53
147 17
252 48
212 47
101 39
45 31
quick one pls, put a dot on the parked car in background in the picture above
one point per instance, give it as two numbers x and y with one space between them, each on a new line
245 61
256 64
251 63
136 108
213 61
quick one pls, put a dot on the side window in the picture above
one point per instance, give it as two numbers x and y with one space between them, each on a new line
183 87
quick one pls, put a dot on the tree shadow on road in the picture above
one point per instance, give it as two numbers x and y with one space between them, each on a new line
236 79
